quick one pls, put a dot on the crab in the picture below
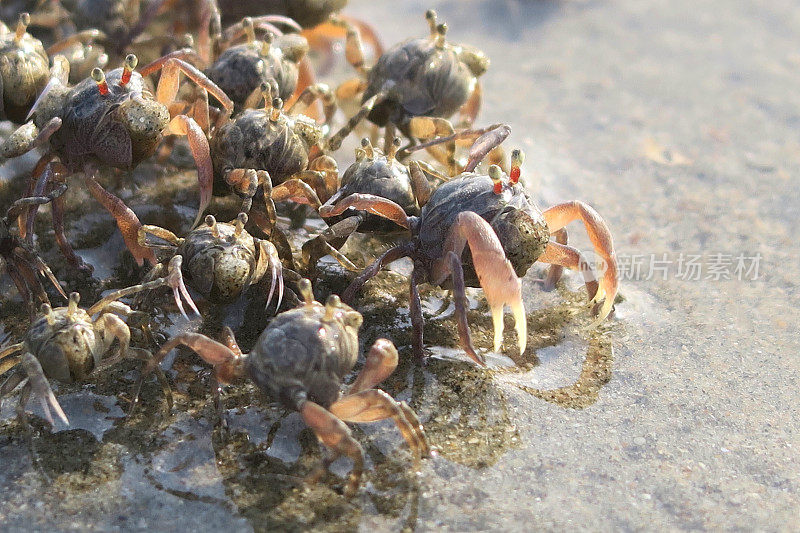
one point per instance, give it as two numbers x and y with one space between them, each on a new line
21 260
506 233
301 360
221 259
415 86
110 120
67 344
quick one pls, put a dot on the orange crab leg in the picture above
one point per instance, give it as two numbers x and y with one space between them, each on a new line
372 204
198 144
560 215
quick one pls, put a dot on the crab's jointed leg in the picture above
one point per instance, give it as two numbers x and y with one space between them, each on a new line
39 385
559 216
368 202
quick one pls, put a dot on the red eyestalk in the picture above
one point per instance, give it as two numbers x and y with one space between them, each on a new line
130 64
100 80
497 177
517 158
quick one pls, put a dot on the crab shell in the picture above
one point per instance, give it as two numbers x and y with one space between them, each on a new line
304 354
112 17
220 268
425 81
68 349
307 13
518 223
118 129
241 69
382 177
254 141
24 71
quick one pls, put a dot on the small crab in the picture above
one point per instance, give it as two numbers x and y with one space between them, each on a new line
301 360
66 344
109 120
221 260
416 86
506 234
24 70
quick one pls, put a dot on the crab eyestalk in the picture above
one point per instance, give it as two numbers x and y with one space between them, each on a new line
22 26
441 31
430 16
517 158
277 106
72 306
497 178
332 305
266 93
211 222
266 44
47 311
304 285
238 227
127 69
100 79
367 146
393 149
249 31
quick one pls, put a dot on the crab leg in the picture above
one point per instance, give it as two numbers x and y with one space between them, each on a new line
559 216
335 141
376 205
372 405
127 221
379 365
40 387
420 185
82 37
336 436
556 271
173 279
297 191
61 237
268 256
168 84
390 255
28 137
469 111
496 275
415 310
312 93
198 143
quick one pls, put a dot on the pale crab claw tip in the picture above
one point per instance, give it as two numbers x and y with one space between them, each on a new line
521 325
178 302
608 304
497 322
280 292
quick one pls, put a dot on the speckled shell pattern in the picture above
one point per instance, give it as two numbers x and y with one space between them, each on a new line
518 223
254 141
301 356
236 72
24 71
220 268
422 79
118 129
381 177
66 349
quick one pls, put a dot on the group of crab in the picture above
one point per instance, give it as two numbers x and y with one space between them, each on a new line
260 127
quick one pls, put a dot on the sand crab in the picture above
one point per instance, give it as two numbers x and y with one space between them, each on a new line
221 260
301 360
67 344
506 234
109 120
416 86
24 70
21 260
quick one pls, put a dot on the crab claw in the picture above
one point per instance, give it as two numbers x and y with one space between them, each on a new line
268 254
174 279
41 388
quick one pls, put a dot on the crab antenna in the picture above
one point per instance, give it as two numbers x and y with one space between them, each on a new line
332 304
305 291
430 16
211 222
393 148
497 178
22 26
249 31
517 158
266 44
72 306
241 220
130 64
277 105
47 311
100 79
441 31
367 146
